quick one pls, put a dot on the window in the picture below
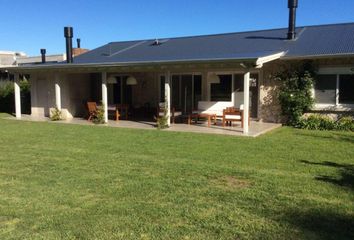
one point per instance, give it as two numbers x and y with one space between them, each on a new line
221 91
325 89
334 89
346 89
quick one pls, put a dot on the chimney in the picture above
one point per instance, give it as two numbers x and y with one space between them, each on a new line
78 50
292 5
43 52
68 34
78 41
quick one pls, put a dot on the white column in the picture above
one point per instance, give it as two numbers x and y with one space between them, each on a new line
17 96
168 97
57 92
105 96
246 101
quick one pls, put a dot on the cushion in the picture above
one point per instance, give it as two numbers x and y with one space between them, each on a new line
233 117
212 107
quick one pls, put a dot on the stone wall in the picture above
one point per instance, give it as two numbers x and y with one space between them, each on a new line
269 108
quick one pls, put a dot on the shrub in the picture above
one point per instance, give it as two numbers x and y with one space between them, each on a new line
7 97
346 124
55 114
6 88
162 121
98 118
295 95
317 122
320 122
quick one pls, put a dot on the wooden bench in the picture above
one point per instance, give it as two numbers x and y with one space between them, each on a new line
212 107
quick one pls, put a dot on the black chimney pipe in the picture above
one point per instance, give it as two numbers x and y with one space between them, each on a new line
43 52
292 5
68 34
78 43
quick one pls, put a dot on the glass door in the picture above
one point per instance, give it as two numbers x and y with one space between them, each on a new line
186 92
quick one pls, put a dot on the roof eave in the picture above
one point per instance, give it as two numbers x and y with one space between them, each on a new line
73 66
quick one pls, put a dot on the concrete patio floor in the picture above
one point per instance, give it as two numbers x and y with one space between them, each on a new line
255 129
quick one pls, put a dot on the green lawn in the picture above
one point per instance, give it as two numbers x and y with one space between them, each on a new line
60 181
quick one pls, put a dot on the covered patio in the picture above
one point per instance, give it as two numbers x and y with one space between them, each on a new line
180 85
256 128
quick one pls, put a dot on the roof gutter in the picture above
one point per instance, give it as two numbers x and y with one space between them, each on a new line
339 55
74 66
252 62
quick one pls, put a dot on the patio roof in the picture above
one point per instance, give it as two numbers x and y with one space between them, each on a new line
250 60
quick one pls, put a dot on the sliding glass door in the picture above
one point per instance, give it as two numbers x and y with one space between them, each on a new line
119 92
186 91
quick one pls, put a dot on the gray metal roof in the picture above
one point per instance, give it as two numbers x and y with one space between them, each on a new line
322 40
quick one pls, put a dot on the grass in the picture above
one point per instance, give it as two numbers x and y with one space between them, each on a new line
82 182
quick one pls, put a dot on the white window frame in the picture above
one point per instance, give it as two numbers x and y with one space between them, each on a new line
334 71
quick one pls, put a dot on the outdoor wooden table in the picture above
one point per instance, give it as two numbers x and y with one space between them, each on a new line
196 116
120 108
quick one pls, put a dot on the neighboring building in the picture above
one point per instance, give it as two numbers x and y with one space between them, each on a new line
208 68
57 58
8 58
11 58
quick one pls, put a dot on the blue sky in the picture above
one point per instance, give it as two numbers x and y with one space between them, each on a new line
28 25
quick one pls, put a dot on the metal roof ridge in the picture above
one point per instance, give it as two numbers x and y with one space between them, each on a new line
232 33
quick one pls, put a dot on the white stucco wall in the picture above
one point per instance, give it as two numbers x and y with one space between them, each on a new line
75 91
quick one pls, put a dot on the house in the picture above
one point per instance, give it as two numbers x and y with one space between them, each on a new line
235 67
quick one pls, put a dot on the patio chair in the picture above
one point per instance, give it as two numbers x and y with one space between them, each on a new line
174 113
232 114
92 110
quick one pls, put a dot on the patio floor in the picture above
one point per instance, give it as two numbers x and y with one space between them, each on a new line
255 129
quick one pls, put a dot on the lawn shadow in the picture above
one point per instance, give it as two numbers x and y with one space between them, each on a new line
322 224
346 174
339 136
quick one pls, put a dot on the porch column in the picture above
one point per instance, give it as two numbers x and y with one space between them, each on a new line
57 92
17 96
246 99
168 96
105 96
